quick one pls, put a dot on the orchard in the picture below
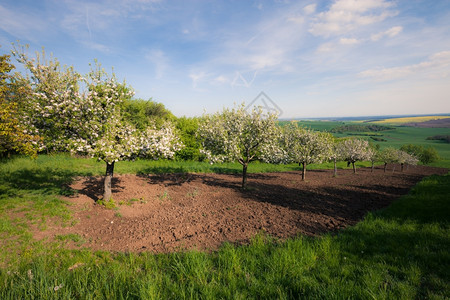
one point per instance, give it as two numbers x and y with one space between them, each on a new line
53 108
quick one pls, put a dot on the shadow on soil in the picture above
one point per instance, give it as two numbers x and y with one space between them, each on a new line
94 186
181 170
347 204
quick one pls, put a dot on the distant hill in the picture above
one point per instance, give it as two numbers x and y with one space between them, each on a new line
384 119
440 123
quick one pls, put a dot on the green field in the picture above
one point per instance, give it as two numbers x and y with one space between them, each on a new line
401 135
398 253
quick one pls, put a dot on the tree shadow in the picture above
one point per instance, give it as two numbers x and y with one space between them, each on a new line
93 187
181 169
46 181
172 179
169 179
348 204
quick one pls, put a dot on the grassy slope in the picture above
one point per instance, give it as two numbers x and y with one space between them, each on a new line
401 252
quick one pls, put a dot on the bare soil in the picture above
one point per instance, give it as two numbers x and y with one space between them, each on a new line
172 212
439 123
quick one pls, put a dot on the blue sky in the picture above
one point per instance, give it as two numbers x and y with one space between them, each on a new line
312 58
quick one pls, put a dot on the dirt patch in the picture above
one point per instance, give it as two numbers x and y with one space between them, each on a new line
162 213
439 123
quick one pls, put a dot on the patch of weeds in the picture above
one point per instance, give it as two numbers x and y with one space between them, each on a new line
118 214
193 194
109 204
164 196
132 200
86 207
71 237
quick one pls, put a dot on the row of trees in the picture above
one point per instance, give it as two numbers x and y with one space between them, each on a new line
54 108
238 135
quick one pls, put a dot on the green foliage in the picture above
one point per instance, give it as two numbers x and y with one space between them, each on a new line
13 135
412 149
426 155
378 139
143 113
429 155
187 127
445 138
107 203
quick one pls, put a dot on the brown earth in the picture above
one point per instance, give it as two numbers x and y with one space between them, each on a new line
439 123
162 213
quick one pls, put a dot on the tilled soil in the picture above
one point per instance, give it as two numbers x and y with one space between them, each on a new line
171 212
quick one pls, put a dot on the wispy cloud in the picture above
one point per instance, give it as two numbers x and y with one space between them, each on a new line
310 9
391 32
268 45
22 24
160 61
91 22
348 41
437 65
345 16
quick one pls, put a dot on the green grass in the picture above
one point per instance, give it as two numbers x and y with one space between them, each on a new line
51 174
398 253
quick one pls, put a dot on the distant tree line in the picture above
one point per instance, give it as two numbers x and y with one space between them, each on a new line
445 138
360 128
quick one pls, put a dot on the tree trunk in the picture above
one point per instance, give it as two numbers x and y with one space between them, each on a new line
335 168
244 175
303 171
385 167
354 168
372 167
108 179
401 167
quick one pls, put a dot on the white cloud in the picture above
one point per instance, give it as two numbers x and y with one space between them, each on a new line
197 77
391 32
266 45
310 9
326 47
348 41
437 65
345 16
